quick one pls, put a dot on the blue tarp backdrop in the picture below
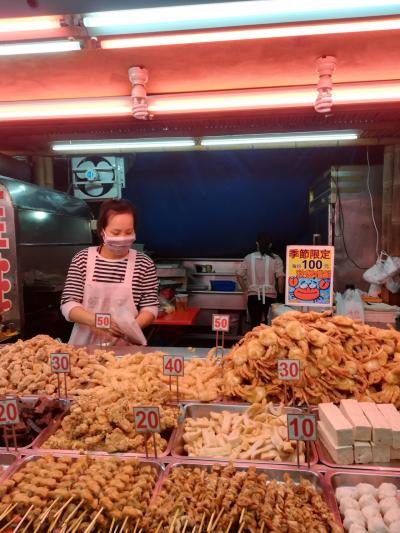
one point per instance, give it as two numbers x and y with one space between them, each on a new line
212 204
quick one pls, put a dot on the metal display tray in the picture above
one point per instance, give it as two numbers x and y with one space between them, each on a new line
7 459
274 473
327 460
200 410
30 400
350 478
38 447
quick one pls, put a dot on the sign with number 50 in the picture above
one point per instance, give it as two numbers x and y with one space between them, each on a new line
103 320
220 323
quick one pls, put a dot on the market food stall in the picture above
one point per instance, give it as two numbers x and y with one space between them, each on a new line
221 424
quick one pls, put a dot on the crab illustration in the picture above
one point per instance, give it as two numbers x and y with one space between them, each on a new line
308 290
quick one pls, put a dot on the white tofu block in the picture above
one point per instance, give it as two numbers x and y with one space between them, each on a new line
361 427
381 430
339 428
394 454
342 455
362 452
392 416
380 453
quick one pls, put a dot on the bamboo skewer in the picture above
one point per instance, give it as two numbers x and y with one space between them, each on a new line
210 522
9 524
112 525
262 526
202 522
241 515
70 516
137 525
8 510
185 525
217 519
116 528
171 527
78 523
242 526
58 514
23 518
158 527
92 523
45 513
229 526
124 525
26 528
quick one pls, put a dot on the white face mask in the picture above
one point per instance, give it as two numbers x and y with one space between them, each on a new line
119 245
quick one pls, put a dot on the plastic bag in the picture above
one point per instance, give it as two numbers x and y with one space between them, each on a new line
392 266
376 274
375 290
393 284
350 304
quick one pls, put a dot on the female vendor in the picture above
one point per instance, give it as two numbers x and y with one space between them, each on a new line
111 278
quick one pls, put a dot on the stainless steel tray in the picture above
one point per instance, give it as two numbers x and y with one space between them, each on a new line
327 460
38 446
201 410
274 473
342 478
30 400
6 461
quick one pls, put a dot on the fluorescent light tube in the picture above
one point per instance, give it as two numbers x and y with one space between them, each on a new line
225 14
123 145
29 24
39 47
280 138
251 34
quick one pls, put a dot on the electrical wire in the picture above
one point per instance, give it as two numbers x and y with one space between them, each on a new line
372 206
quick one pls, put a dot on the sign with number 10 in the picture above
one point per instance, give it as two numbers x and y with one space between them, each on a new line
220 323
302 427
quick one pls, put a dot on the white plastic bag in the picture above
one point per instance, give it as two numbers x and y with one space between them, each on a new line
376 274
375 290
392 266
393 284
350 304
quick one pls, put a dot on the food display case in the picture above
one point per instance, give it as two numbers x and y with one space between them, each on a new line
40 230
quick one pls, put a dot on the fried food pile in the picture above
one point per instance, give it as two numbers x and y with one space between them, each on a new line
57 491
259 433
140 373
339 358
102 420
25 367
236 500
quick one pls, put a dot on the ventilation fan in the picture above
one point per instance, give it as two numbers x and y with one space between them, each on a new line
96 178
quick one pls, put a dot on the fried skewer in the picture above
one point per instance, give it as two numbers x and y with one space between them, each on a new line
45 513
70 516
58 514
23 518
93 522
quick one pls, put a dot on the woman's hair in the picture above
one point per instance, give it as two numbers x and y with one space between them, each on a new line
112 207
264 243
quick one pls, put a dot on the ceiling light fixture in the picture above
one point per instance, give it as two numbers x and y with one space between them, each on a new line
39 47
28 24
325 67
121 146
225 14
188 103
252 34
280 138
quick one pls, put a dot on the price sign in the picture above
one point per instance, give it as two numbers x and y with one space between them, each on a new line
60 363
174 365
220 323
103 320
147 419
9 412
289 369
302 427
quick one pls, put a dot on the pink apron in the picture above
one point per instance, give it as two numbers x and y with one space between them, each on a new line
114 298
